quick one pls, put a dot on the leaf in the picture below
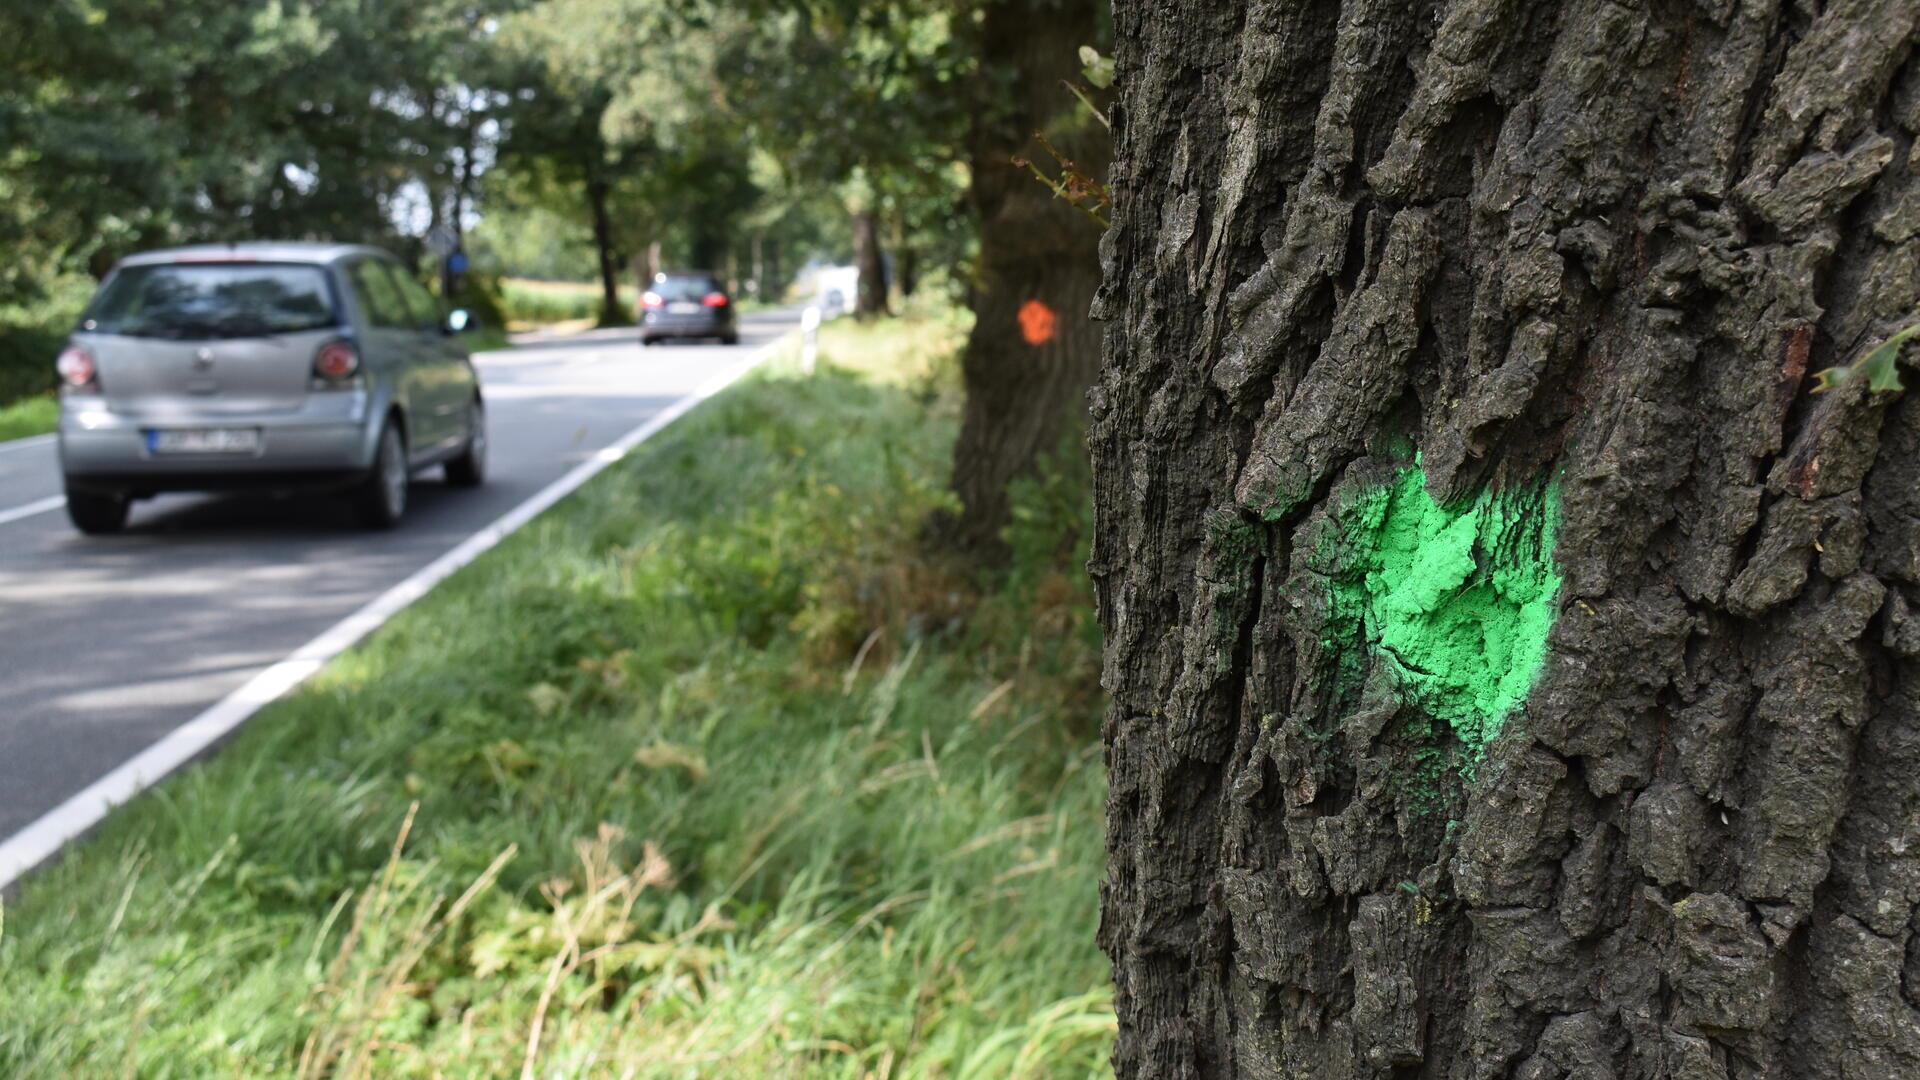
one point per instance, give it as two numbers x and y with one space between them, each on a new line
1098 69
1879 366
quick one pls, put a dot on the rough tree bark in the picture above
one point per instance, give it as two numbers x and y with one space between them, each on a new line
871 299
1024 388
1596 244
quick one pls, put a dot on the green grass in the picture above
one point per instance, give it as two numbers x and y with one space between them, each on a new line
29 416
709 772
486 339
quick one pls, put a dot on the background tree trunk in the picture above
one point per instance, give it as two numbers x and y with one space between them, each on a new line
1026 390
872 299
1592 243
598 192
642 266
759 266
909 270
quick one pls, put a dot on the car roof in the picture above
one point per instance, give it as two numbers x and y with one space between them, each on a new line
292 251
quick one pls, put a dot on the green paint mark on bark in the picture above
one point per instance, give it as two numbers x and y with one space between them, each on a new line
1458 598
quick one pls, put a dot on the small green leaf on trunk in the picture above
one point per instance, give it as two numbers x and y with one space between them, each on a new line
1098 69
1880 367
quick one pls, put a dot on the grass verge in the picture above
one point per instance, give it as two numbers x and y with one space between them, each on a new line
709 772
529 304
29 416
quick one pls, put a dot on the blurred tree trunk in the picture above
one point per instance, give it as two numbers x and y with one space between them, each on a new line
909 271
1593 244
906 258
598 192
641 266
872 299
1032 352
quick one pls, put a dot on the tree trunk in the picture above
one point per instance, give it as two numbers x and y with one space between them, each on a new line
1403 298
641 266
598 192
872 299
1032 352
909 268
759 267
906 260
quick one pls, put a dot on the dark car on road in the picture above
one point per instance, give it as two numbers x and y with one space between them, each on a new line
687 304
264 365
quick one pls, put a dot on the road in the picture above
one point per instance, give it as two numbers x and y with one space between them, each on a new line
108 644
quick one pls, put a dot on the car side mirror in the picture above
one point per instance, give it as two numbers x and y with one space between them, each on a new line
458 320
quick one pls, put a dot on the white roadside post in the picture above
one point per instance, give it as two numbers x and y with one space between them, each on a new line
809 338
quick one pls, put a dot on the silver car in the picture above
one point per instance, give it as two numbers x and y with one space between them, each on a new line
267 366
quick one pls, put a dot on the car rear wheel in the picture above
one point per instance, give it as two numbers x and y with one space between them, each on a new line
730 339
97 514
470 468
382 498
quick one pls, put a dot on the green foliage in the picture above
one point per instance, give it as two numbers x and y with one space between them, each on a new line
605 804
29 416
613 125
1097 69
32 333
868 103
152 123
536 241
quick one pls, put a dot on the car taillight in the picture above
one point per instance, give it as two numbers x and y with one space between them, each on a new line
652 299
76 366
336 361
715 299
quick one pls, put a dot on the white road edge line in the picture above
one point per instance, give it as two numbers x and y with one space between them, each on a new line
27 443
36 507
36 843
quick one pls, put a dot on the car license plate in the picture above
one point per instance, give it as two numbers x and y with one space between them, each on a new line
204 441
683 308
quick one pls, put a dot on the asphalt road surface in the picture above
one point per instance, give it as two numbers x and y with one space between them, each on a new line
107 644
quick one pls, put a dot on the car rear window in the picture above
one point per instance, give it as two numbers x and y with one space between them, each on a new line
685 286
212 300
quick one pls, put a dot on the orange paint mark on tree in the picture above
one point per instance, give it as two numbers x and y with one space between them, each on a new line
1037 322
